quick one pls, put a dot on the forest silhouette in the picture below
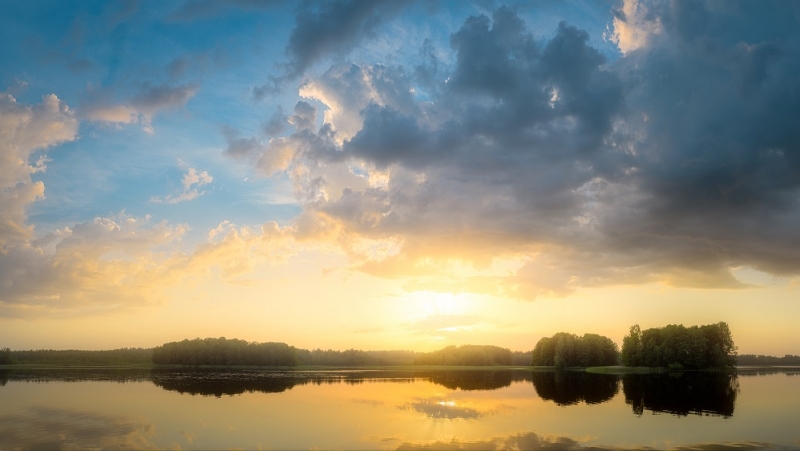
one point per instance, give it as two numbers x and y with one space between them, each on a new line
673 347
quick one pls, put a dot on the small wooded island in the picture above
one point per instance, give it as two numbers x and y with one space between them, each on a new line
678 347
673 347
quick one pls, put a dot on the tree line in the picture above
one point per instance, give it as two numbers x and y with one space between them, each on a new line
564 350
355 357
672 346
467 355
123 356
5 356
679 347
222 351
761 360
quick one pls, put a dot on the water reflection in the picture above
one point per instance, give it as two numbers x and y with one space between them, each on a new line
228 383
701 393
532 440
571 387
441 408
211 382
121 375
698 393
529 440
477 380
761 371
214 383
422 410
63 429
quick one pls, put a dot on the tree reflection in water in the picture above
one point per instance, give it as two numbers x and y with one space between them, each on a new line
218 383
477 380
698 393
571 387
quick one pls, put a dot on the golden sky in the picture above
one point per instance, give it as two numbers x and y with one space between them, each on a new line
388 175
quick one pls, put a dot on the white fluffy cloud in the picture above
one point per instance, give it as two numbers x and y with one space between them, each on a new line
26 132
105 264
193 181
634 24
93 267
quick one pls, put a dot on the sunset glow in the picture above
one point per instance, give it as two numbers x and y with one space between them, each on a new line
397 175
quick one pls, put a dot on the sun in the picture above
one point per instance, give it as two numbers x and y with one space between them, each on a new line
431 303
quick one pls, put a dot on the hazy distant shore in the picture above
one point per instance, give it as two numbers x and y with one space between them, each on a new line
301 368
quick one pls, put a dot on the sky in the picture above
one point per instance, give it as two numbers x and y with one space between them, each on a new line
397 175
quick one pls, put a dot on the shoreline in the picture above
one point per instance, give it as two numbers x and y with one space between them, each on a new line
324 368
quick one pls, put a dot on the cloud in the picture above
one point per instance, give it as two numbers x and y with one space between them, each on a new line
140 108
634 25
671 164
334 27
192 181
107 263
26 132
329 28
716 161
94 267
120 263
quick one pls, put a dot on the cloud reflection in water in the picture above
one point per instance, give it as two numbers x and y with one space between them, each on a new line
443 409
68 429
534 441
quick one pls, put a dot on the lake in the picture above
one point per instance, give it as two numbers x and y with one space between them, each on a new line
407 410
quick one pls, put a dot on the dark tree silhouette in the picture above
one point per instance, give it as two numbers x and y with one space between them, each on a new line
679 347
567 350
5 356
220 351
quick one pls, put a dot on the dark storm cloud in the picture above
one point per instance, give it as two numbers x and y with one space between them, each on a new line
389 136
674 163
324 28
715 107
508 101
520 127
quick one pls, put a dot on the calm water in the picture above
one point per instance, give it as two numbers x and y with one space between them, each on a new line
126 409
